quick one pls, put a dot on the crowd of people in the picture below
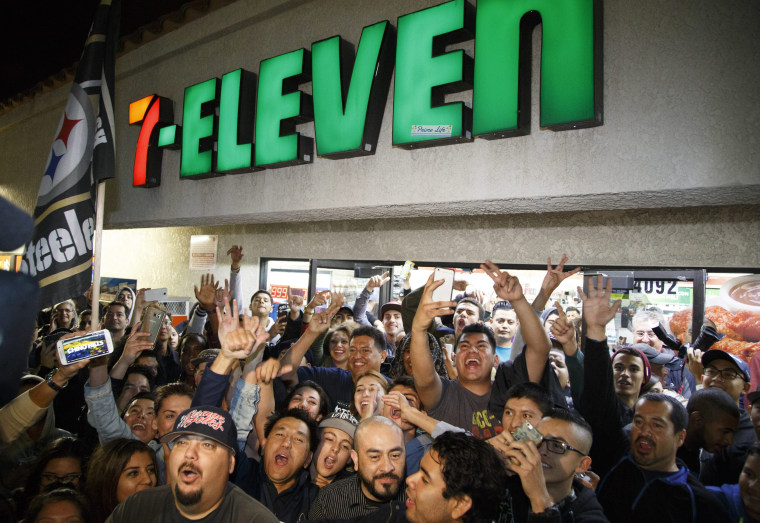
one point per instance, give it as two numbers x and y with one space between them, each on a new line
432 411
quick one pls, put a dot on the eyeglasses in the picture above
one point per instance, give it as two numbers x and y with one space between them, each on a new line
558 446
726 374
49 477
648 334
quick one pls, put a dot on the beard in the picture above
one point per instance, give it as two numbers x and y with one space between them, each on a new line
386 492
187 499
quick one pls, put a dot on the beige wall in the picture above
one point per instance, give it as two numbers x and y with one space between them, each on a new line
691 237
676 164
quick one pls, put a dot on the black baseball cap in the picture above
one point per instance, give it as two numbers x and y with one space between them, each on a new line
717 354
206 421
653 355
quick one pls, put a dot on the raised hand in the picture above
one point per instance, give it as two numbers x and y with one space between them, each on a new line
320 322
295 301
223 295
267 370
555 276
597 310
207 293
236 337
428 309
563 330
506 286
318 300
377 281
236 255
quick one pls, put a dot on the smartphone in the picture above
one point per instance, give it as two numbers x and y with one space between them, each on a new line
85 347
156 294
443 293
152 321
527 432
282 310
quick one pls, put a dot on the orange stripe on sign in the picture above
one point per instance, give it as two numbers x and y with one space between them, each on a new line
137 109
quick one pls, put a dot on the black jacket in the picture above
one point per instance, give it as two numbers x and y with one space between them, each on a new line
626 494
601 407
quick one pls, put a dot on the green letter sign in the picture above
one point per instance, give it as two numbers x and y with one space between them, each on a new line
571 94
199 130
350 95
280 106
236 114
425 73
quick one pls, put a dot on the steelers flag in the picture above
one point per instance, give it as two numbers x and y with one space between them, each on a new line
60 254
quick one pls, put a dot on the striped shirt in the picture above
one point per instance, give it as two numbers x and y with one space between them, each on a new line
344 499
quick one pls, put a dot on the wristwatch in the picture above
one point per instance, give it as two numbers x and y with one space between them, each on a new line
53 385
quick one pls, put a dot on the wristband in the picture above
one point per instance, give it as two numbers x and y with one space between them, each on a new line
234 270
53 385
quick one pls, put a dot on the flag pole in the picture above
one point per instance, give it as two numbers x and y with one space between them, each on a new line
97 242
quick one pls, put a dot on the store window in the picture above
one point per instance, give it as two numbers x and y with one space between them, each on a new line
730 300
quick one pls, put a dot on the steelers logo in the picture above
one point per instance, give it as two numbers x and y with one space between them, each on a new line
71 153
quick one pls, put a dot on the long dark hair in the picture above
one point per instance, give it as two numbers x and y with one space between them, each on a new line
104 471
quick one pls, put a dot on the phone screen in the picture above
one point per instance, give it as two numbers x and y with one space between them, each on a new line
85 347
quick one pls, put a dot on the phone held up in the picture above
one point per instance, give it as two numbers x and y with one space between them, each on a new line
91 345
443 293
152 321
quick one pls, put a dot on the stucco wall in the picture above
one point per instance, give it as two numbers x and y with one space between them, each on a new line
692 237
679 142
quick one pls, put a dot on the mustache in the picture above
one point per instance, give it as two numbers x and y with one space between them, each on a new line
188 465
389 475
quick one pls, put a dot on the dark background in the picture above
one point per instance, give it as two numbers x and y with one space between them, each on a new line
42 37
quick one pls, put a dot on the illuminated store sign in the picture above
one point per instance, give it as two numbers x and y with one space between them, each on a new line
247 122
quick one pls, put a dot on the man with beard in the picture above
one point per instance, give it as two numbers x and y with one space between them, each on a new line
378 457
198 468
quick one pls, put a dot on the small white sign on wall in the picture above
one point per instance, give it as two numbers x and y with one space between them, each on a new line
203 252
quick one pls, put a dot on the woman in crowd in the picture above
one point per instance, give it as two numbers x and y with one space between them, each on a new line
117 470
369 390
336 345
